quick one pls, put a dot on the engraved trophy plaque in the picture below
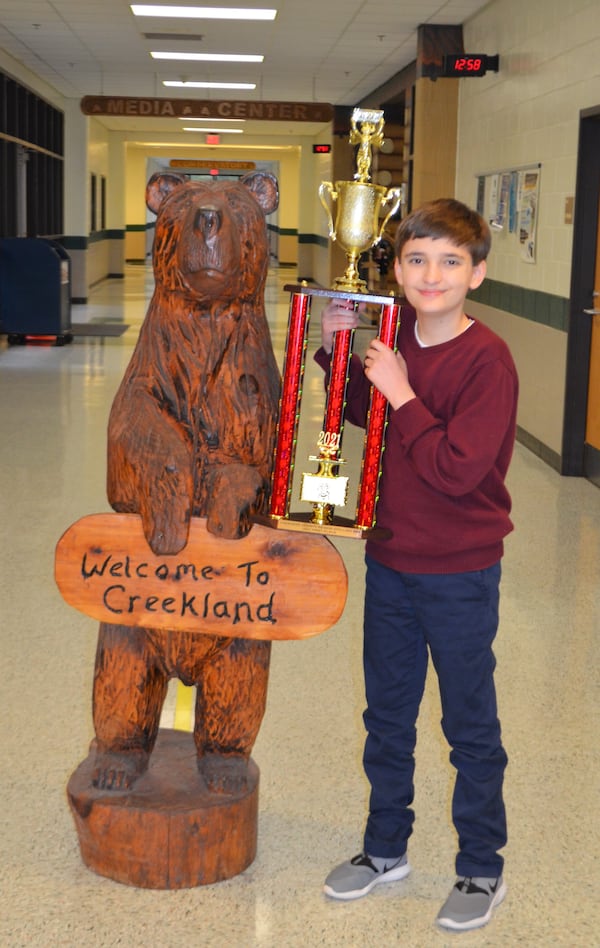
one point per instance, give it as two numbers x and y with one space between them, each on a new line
359 205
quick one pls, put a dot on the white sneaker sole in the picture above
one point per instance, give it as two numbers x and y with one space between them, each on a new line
393 875
474 922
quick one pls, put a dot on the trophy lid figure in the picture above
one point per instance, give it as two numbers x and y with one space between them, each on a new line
370 133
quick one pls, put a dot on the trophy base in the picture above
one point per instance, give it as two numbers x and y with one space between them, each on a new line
346 285
302 523
379 299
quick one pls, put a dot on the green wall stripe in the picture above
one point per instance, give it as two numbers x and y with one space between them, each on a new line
313 239
99 235
539 307
82 243
74 243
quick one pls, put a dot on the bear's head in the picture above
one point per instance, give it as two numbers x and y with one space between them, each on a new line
210 243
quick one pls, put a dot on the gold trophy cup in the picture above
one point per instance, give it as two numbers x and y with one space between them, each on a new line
359 203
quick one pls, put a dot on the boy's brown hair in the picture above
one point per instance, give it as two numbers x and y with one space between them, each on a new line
451 220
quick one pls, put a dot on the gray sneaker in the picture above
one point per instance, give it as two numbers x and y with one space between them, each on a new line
357 877
471 903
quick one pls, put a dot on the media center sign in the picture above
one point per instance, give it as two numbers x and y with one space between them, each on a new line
131 107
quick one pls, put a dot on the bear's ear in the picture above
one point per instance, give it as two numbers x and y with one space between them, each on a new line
264 188
160 185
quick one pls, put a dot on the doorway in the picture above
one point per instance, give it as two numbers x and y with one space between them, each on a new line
581 430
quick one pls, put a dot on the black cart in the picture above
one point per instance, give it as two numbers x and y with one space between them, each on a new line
35 290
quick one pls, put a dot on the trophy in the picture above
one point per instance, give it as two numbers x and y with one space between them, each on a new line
359 203
357 227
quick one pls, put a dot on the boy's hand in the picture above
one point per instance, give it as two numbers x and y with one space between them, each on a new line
386 370
337 315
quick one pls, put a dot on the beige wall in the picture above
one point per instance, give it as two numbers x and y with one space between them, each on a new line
539 354
529 112
526 113
98 148
313 259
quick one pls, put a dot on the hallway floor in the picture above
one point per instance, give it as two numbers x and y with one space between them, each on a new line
313 795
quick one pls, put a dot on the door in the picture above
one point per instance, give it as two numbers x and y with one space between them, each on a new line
592 424
581 419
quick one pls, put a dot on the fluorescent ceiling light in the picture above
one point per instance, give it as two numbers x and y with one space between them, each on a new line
202 13
175 145
198 118
210 57
208 85
216 131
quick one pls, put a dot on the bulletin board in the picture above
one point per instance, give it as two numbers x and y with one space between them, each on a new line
508 199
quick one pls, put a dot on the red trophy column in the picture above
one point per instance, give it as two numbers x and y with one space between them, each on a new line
333 424
371 467
289 411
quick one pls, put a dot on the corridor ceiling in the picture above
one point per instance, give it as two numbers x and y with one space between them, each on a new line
335 51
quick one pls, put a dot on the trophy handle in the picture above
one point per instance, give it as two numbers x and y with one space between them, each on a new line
326 187
395 195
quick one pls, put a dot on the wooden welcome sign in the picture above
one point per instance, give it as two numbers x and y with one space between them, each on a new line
267 585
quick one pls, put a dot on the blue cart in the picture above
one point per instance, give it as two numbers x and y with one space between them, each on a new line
35 290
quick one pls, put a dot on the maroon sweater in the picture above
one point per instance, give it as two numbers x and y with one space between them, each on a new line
442 492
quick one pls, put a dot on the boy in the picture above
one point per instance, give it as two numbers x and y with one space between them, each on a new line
433 587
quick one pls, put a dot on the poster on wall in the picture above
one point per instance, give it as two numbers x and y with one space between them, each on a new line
512 201
508 199
529 183
491 208
499 219
481 194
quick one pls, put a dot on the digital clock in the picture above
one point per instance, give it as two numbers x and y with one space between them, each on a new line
469 64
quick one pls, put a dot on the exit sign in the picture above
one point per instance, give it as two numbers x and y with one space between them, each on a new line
321 149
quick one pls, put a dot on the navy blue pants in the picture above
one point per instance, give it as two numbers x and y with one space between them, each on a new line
453 617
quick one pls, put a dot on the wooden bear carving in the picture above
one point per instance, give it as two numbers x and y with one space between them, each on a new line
191 433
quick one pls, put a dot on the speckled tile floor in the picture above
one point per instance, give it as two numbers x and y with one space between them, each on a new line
55 404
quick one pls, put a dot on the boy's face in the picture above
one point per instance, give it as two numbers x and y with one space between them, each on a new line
436 275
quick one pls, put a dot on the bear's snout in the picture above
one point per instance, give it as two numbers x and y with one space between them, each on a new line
209 252
207 222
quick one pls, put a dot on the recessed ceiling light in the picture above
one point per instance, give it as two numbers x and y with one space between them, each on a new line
209 57
202 13
170 37
208 85
216 131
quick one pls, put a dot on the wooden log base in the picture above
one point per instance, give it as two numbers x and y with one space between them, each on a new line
168 831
